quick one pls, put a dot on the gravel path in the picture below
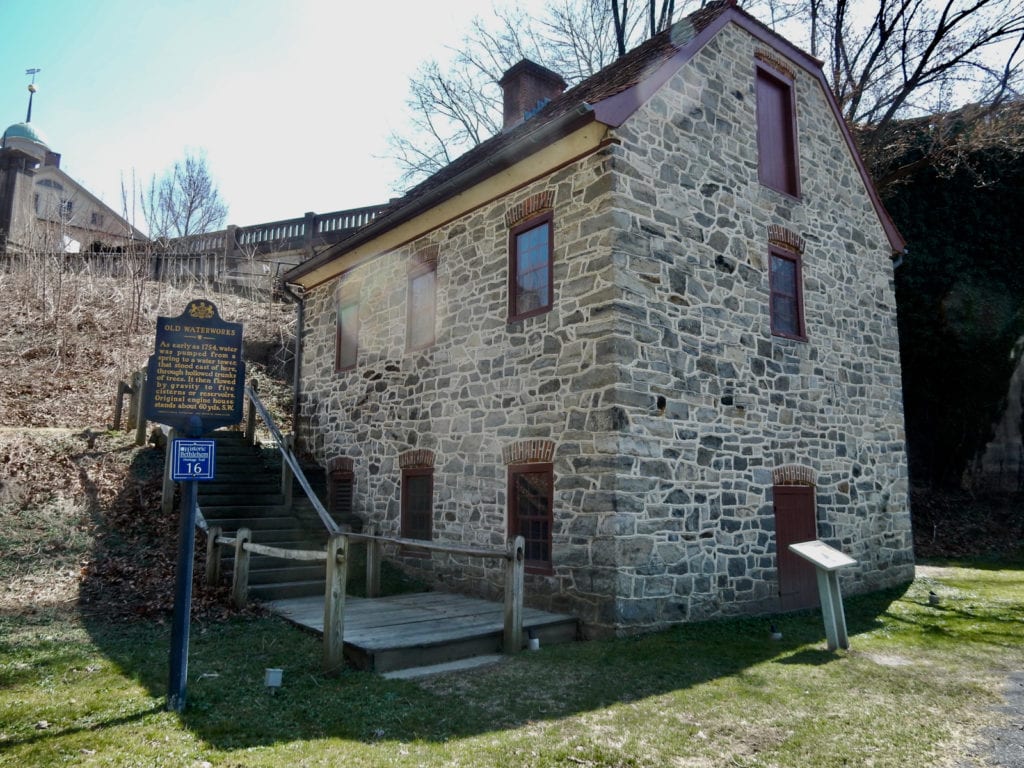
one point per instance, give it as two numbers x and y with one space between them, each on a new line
1002 745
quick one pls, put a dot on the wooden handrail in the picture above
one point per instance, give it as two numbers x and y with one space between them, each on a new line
336 563
452 549
288 456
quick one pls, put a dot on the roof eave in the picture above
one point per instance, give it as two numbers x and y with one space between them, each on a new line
503 158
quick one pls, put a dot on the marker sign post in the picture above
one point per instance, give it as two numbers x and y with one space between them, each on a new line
195 383
826 561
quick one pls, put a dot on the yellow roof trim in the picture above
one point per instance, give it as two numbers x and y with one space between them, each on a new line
550 158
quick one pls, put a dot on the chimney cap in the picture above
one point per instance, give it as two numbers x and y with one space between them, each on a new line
527 67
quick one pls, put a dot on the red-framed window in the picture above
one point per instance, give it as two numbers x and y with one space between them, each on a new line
777 165
530 511
418 503
346 344
786 300
530 271
422 306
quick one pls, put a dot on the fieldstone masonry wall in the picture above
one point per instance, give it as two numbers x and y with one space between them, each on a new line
656 378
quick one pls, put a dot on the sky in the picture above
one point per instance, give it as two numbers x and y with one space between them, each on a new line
291 102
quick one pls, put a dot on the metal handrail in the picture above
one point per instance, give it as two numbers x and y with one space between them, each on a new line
288 456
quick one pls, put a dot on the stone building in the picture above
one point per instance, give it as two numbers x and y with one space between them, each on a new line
650 326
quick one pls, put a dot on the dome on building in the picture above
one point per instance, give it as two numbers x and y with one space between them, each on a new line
25 131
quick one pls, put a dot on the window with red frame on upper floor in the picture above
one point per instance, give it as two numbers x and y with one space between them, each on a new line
786 298
530 289
777 163
422 306
346 345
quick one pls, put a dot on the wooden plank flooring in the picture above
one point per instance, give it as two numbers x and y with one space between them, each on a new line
414 629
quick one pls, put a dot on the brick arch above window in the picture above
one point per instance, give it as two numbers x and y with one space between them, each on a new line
771 59
417 458
781 237
794 474
528 452
530 207
426 256
341 464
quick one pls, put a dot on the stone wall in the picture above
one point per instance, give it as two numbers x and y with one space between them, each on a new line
483 387
695 523
655 378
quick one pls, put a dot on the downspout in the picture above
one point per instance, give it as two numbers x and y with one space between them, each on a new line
300 318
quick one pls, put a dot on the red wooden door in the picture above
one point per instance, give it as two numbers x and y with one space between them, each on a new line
794 522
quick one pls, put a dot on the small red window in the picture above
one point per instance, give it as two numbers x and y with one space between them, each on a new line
530 500
418 503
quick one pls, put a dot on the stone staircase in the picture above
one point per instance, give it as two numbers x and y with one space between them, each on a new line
247 494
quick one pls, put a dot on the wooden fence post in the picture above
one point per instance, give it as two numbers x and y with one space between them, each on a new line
515 566
374 551
213 556
122 390
138 403
286 472
240 578
334 603
134 389
167 499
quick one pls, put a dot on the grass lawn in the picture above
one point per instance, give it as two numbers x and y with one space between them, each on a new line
914 689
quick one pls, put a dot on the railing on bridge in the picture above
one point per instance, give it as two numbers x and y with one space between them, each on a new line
247 255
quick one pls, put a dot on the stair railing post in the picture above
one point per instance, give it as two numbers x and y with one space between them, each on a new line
213 556
167 498
287 476
240 578
250 419
515 567
139 406
374 552
334 603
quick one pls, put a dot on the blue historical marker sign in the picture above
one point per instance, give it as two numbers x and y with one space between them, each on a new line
195 383
193 460
196 371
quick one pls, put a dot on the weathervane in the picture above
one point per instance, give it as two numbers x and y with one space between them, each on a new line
31 91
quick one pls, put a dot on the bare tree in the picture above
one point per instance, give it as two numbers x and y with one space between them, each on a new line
656 20
183 201
457 105
923 61
934 76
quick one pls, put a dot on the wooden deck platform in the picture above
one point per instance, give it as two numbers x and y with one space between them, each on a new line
421 629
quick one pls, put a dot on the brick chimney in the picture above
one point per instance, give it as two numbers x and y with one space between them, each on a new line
528 86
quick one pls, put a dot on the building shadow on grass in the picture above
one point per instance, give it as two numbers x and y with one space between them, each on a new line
228 707
128 617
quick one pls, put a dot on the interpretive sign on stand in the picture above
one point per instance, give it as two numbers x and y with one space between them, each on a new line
195 383
196 370
826 561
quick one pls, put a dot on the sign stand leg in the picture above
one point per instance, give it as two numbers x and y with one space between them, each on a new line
183 589
842 638
182 598
832 609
